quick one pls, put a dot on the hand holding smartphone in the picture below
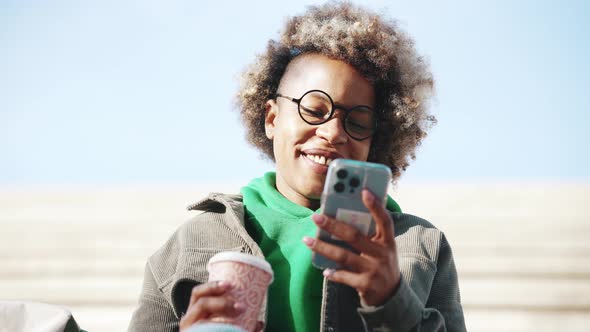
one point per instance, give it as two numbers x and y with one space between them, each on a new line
341 199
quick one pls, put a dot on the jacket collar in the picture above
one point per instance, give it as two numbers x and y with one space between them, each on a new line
223 203
217 202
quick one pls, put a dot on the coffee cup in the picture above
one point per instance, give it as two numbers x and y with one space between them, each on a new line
250 277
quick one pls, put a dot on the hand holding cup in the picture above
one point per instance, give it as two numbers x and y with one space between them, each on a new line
237 287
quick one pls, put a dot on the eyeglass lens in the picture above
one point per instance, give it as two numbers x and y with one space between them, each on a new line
315 107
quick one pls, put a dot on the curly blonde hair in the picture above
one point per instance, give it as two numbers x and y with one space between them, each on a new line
377 48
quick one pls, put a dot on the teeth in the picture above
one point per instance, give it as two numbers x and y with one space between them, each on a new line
320 159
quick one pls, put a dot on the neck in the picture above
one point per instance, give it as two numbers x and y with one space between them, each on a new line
284 189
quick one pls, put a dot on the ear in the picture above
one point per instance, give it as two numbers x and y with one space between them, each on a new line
270 117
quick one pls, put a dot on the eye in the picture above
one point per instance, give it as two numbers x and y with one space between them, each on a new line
315 106
356 129
358 126
360 121
309 111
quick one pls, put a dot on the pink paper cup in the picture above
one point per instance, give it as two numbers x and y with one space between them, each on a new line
250 276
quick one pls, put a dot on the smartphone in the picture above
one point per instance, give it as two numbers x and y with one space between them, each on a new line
341 199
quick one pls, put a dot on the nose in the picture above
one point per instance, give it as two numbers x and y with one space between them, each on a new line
333 131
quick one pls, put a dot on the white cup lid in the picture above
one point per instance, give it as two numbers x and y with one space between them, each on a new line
242 258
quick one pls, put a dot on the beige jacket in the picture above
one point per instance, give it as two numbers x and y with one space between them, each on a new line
427 299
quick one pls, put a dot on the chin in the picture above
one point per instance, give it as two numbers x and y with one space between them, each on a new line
314 191
314 196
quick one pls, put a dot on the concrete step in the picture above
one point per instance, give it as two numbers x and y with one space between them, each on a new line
517 293
517 320
116 318
111 261
521 249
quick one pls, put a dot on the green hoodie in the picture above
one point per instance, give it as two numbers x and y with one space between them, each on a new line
278 225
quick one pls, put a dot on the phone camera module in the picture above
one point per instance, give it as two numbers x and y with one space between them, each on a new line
342 173
339 187
354 182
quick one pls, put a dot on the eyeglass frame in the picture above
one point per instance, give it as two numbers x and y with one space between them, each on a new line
332 111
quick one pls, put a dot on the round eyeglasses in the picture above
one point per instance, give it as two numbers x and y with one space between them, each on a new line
317 107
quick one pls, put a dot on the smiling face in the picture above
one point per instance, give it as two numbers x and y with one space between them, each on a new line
302 150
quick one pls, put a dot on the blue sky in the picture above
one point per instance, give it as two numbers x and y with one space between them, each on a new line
140 92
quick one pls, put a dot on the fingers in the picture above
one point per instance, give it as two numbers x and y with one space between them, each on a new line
347 233
210 300
374 273
354 280
384 230
214 288
346 258
372 289
209 307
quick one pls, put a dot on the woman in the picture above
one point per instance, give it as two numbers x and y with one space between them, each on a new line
403 278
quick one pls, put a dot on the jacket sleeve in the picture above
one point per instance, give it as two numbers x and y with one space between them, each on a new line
153 313
406 312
